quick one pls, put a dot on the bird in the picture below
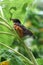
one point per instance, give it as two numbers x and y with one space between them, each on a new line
23 32
21 29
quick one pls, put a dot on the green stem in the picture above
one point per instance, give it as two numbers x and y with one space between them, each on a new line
31 55
1 23
2 12
17 53
5 21
7 33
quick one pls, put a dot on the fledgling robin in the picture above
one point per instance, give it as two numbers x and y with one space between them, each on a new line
21 29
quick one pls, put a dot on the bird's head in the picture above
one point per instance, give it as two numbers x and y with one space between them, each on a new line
16 21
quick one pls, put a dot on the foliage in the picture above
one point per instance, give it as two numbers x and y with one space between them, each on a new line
13 51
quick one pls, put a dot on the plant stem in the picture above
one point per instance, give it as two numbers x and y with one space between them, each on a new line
5 21
31 55
7 33
1 23
17 53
